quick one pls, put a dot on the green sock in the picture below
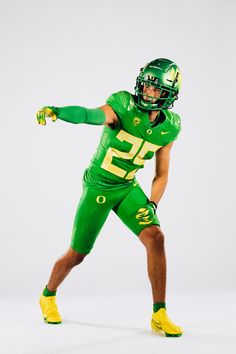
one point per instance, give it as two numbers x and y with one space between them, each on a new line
47 292
158 306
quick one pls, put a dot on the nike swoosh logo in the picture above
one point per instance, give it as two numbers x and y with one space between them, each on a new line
162 133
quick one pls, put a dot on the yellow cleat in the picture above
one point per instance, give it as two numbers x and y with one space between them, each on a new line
161 323
49 309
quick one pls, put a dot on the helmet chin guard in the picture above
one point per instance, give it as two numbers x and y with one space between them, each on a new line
162 74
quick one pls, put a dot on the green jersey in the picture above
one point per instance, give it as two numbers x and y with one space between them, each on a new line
124 148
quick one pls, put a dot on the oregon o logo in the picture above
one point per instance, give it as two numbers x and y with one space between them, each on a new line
149 131
101 199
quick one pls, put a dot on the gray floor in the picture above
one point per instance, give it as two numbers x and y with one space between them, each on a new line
119 324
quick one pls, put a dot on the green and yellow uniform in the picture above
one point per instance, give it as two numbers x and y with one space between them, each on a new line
109 182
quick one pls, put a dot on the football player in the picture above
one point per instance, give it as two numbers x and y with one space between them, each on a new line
136 127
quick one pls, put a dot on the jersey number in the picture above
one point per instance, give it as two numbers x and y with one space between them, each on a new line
137 152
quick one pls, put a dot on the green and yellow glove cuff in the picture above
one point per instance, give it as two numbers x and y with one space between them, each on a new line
46 112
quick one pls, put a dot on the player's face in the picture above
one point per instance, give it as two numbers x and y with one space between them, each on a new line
151 93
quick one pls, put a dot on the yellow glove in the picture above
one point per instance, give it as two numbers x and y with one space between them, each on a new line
44 113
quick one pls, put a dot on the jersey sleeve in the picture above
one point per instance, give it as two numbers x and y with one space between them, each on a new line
119 102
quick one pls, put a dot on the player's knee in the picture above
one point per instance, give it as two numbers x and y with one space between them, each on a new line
74 257
152 237
159 239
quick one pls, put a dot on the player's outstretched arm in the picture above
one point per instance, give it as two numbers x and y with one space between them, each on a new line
77 115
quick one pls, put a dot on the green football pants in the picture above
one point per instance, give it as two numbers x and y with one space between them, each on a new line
95 205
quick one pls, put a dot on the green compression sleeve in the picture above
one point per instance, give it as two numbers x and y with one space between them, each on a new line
77 114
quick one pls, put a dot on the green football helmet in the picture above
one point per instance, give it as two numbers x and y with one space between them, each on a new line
164 75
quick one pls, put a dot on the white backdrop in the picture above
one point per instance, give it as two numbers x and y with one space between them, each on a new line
78 53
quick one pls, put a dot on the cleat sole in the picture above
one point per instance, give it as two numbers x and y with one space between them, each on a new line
45 321
53 322
173 335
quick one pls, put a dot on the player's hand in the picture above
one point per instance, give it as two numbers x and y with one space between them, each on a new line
45 112
146 215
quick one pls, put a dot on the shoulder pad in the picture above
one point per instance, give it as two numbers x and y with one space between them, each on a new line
120 101
173 123
174 120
